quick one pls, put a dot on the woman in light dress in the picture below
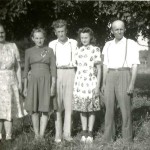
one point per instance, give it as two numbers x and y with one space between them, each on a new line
87 82
10 84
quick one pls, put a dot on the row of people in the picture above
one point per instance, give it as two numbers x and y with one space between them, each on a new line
55 84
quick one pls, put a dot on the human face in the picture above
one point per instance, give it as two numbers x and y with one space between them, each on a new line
38 38
118 29
2 34
61 33
85 38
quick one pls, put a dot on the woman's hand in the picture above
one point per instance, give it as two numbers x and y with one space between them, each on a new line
20 87
25 92
96 92
53 90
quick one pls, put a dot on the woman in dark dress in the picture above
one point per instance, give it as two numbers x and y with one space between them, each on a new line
38 88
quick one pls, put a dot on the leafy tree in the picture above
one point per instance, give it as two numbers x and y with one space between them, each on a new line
11 9
22 15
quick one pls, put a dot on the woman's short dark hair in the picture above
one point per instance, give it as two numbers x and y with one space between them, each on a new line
86 30
38 29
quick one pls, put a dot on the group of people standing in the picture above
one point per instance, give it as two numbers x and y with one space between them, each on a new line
66 76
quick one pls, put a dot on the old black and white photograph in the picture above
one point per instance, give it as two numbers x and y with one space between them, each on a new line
74 75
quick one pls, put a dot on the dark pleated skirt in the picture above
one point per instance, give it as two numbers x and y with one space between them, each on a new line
38 94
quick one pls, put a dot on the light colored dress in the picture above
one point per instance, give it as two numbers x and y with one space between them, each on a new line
86 79
10 105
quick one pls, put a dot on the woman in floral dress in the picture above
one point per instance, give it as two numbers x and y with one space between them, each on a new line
10 84
87 82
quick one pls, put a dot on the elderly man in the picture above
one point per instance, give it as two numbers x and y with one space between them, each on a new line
64 50
121 58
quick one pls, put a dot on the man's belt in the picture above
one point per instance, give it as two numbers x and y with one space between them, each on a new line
119 69
65 67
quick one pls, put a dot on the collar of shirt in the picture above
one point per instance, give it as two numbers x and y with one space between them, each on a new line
67 42
122 41
116 53
86 47
63 53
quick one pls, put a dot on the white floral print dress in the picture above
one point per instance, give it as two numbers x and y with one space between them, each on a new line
10 106
86 79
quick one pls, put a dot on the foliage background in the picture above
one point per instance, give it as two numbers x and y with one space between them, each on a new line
21 16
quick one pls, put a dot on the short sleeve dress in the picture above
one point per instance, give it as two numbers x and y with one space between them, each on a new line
86 79
10 104
41 63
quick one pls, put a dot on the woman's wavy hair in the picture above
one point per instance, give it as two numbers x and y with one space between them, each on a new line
38 29
91 33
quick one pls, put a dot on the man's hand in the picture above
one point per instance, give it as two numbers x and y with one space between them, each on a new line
133 77
103 89
130 89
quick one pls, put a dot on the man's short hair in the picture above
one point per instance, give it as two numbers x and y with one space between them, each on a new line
116 19
59 23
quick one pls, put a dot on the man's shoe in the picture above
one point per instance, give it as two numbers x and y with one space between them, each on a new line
68 139
89 140
83 139
57 140
8 137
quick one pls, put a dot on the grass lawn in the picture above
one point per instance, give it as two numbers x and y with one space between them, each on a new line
23 136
